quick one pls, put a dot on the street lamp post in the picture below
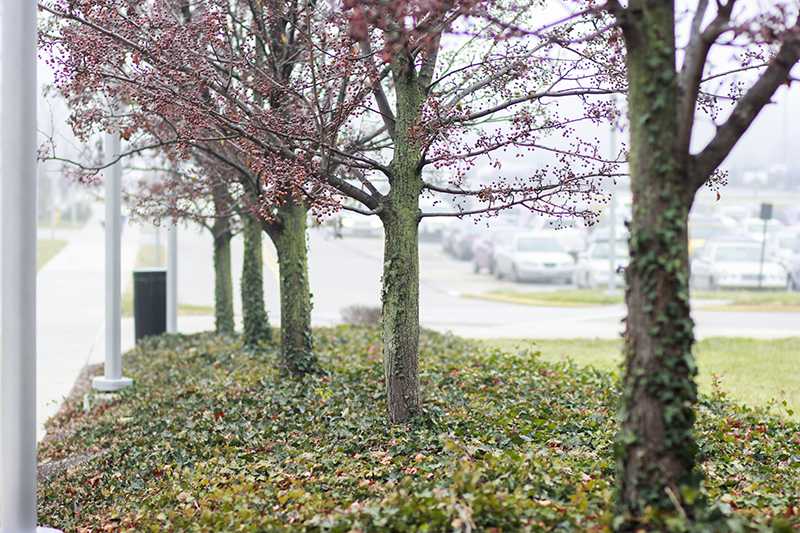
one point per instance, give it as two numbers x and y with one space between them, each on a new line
172 278
18 396
112 379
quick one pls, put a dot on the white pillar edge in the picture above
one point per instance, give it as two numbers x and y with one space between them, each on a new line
172 278
112 379
18 330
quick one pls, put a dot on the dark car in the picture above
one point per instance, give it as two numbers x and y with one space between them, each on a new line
484 246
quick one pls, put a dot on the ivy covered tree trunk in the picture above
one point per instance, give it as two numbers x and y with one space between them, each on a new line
223 280
657 476
401 302
255 323
400 217
289 237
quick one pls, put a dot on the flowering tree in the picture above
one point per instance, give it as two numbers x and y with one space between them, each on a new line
142 56
440 79
325 102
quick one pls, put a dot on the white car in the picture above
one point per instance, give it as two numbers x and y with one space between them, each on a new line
358 225
754 227
737 265
534 257
594 265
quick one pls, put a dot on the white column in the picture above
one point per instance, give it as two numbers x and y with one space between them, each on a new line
18 384
112 379
612 215
157 229
172 278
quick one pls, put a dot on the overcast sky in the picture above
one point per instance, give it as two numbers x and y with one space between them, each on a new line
774 138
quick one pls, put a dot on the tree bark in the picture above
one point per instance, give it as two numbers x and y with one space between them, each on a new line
401 305
656 448
255 322
400 217
223 281
289 237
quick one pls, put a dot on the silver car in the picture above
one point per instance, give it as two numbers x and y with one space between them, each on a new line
534 257
737 265
594 265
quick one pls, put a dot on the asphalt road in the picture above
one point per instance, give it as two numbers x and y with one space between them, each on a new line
347 271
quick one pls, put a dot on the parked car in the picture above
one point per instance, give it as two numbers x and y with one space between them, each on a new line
352 224
736 265
754 227
458 241
603 234
535 256
432 229
786 245
703 229
788 252
594 265
570 233
484 247
794 274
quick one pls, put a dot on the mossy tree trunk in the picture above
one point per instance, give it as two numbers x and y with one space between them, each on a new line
400 216
289 236
656 449
255 322
400 297
223 280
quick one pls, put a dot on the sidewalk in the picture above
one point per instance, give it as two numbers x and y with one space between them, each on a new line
71 311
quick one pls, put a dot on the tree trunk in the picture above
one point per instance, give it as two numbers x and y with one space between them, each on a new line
223 281
289 236
656 446
400 217
401 305
255 323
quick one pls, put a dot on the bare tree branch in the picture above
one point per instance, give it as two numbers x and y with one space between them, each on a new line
747 109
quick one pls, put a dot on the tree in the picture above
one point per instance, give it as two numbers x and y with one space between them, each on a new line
434 96
144 55
255 323
657 477
351 99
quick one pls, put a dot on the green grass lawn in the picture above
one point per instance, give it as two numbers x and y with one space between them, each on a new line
754 372
215 438
46 249
564 298
765 301
148 257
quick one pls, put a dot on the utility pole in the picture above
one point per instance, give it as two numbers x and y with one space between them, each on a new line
172 278
112 379
18 384
612 215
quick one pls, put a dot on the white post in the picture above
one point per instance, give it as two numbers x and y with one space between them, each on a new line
612 217
18 384
158 245
112 379
172 278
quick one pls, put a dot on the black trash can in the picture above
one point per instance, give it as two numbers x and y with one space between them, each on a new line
149 302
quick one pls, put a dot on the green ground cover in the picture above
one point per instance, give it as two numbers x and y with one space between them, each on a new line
47 249
213 438
766 301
